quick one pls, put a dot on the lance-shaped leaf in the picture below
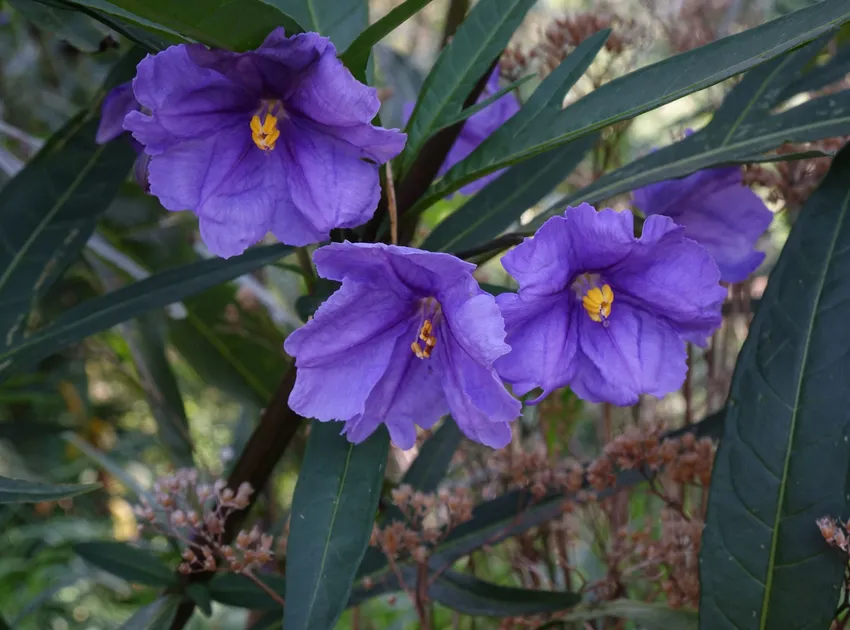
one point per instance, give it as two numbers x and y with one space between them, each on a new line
332 515
740 131
784 460
478 41
129 563
126 303
646 89
23 491
49 210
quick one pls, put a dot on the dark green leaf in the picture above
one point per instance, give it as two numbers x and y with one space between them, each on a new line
154 292
49 210
76 29
237 590
127 562
837 68
471 596
200 594
22 491
741 129
223 24
307 305
148 35
431 465
503 201
470 111
785 455
155 616
106 462
646 89
332 515
269 621
356 56
147 345
478 41
341 20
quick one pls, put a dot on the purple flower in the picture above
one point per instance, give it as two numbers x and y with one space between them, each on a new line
119 102
718 212
476 129
407 339
278 139
604 312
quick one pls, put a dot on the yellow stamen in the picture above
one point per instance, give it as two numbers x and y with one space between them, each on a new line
426 335
597 302
265 135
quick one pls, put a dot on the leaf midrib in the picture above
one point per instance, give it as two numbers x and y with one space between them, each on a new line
774 541
315 594
55 208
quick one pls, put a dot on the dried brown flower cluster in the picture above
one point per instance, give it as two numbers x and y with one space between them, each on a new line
835 532
561 37
196 515
793 181
429 517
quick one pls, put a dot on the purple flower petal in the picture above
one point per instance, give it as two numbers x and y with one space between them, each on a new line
328 182
542 340
673 277
186 102
637 353
718 212
116 105
231 186
408 395
345 350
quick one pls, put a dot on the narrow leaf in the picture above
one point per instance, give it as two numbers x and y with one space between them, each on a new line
477 42
356 56
106 462
332 515
236 590
78 30
49 210
648 88
22 491
155 292
471 596
470 111
785 456
127 562
432 464
503 201
647 615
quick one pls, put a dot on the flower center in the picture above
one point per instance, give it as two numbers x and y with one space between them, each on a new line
264 131
426 338
596 297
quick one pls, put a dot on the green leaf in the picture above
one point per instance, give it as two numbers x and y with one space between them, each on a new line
150 36
22 491
647 615
646 89
78 30
49 210
503 201
820 76
470 111
237 590
741 129
356 56
477 42
223 24
200 594
155 616
472 596
106 462
157 379
127 562
332 515
432 464
340 20
785 455
155 292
